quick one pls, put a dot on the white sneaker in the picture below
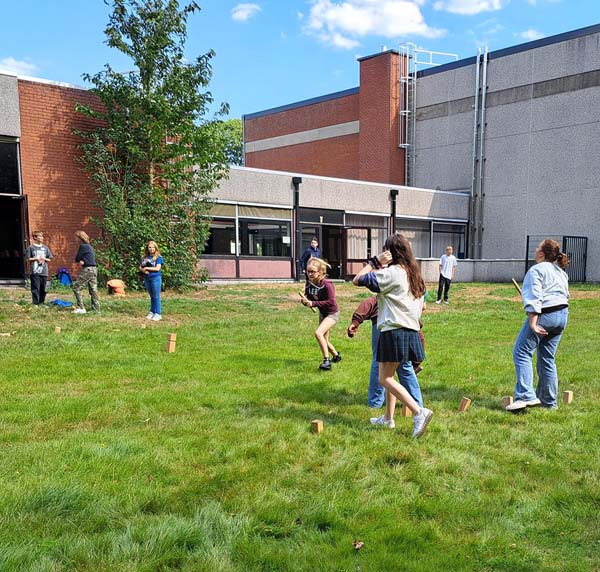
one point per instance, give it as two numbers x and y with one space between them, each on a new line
421 421
438 301
156 318
79 311
446 302
389 423
150 316
521 404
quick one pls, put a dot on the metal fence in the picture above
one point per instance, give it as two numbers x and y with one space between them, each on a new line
574 246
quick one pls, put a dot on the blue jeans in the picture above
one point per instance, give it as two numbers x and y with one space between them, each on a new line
153 285
527 343
406 377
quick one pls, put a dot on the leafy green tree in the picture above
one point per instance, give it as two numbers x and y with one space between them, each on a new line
153 156
231 132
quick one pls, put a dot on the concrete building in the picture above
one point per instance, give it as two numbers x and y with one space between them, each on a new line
517 131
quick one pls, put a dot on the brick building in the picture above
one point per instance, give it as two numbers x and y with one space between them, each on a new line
41 184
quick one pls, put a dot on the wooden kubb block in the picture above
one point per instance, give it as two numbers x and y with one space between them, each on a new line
57 330
316 426
171 343
567 397
465 402
507 400
406 412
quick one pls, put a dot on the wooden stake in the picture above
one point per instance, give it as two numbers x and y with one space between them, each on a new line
516 286
507 400
316 426
567 397
406 412
171 342
464 404
57 329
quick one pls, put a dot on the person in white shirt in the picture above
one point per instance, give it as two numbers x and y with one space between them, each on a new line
446 267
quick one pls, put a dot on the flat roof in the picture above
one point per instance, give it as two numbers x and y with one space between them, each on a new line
557 38
303 103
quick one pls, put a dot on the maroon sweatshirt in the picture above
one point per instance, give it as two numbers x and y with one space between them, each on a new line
322 296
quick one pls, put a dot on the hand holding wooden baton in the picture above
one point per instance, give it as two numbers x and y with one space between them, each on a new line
306 301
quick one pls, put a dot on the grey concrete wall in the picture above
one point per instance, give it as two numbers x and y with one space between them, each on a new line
542 146
477 270
10 124
275 188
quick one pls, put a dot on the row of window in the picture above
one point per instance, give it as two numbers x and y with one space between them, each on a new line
256 238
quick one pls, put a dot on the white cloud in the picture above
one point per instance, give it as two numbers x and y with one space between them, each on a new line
470 7
530 35
17 67
342 23
243 12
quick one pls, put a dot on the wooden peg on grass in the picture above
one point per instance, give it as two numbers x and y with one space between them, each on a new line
507 400
465 402
171 342
406 412
57 330
316 426
567 397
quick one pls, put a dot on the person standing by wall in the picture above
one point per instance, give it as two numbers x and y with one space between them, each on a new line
311 251
88 276
151 266
38 255
446 268
546 301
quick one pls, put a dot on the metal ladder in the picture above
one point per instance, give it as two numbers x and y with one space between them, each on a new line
411 57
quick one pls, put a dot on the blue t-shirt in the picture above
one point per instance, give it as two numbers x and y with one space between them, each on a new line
147 262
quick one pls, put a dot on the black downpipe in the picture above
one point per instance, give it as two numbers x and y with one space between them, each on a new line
393 197
297 274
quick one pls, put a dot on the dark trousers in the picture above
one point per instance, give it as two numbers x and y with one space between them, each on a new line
38 288
443 285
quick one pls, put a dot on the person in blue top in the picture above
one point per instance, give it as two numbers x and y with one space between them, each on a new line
546 302
151 268
312 251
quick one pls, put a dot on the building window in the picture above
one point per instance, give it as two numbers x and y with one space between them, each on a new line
9 168
449 235
366 236
265 238
222 237
418 233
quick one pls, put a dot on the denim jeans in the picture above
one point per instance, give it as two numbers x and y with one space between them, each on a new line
406 376
526 344
153 285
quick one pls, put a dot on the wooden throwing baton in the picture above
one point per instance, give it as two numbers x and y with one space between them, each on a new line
516 285
303 297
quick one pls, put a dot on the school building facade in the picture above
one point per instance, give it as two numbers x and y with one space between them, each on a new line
516 131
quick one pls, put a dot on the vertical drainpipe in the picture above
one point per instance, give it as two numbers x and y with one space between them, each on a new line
296 254
243 140
393 197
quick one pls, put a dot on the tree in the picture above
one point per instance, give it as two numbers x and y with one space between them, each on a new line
153 156
231 131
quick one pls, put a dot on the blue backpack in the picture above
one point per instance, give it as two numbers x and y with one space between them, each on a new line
64 276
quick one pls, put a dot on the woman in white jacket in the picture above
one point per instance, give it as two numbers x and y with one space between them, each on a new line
546 301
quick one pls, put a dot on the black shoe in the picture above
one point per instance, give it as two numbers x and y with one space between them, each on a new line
337 358
326 365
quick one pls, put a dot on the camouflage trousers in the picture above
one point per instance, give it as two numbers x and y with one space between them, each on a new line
87 277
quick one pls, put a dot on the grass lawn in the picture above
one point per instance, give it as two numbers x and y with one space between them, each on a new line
117 456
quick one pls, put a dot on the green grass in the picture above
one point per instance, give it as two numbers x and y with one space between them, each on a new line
117 456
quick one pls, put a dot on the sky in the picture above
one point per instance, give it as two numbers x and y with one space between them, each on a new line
274 52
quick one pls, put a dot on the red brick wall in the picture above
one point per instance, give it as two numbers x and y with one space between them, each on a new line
380 159
58 191
331 112
335 157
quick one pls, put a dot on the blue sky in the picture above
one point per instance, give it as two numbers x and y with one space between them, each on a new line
273 52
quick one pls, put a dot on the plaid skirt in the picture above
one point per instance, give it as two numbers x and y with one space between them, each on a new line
399 346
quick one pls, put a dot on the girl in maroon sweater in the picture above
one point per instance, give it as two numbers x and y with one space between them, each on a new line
320 293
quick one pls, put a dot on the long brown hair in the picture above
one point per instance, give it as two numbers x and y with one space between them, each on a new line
551 251
402 254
